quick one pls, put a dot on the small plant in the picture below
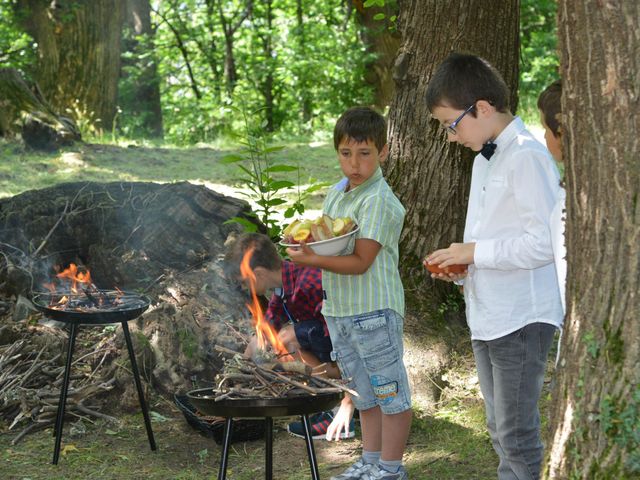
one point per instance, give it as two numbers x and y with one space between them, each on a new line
259 167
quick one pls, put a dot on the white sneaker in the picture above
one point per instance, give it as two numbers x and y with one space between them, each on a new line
356 471
378 473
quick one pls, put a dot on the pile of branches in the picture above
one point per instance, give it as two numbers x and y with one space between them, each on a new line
31 377
243 377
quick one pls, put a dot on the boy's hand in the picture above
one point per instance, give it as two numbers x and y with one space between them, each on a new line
341 421
302 255
456 254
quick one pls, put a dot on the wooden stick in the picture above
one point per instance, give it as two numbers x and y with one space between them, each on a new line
335 384
285 379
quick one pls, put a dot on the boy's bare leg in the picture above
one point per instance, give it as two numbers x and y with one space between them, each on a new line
371 423
396 432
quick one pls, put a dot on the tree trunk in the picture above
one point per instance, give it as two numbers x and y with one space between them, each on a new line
303 83
23 108
383 41
430 176
79 51
144 96
596 407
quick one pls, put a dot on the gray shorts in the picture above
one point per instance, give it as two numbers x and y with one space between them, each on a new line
369 351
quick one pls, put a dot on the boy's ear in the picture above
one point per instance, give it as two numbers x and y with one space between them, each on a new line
484 108
384 153
260 272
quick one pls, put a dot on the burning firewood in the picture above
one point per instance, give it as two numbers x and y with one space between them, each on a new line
242 377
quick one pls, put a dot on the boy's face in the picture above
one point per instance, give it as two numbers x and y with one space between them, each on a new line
554 144
471 132
360 160
262 283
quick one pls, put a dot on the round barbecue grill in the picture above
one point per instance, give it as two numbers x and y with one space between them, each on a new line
95 307
91 308
303 405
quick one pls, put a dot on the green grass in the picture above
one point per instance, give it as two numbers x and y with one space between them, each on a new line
451 444
22 169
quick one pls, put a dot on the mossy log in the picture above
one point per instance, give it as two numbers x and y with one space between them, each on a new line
24 110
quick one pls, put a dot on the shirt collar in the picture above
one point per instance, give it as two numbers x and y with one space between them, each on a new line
342 184
511 131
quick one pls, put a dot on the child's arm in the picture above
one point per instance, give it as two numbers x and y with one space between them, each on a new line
364 254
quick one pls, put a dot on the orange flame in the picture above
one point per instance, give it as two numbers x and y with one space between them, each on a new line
76 276
264 331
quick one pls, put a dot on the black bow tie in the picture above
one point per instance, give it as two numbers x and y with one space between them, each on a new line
488 149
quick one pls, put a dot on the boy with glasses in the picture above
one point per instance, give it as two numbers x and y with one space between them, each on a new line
512 300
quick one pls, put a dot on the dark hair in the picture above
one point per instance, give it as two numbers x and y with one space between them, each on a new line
463 79
264 254
549 105
361 124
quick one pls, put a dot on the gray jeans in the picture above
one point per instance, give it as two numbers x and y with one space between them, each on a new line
511 372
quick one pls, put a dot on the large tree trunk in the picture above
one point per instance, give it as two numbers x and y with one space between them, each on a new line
383 41
596 408
79 52
144 96
430 176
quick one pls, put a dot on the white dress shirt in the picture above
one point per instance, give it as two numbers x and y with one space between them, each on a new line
512 281
558 243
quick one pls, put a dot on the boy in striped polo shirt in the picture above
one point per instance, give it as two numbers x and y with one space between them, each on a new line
364 304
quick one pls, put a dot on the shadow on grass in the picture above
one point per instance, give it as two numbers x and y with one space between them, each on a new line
451 445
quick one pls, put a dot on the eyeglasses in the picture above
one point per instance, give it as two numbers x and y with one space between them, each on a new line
452 127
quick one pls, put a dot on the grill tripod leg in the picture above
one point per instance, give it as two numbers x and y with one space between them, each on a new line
57 431
228 426
308 437
268 451
136 377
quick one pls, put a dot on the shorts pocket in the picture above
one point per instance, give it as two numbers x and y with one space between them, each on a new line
372 333
378 361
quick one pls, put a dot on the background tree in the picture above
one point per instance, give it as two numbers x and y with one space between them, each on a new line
78 55
430 176
596 414
139 91
382 39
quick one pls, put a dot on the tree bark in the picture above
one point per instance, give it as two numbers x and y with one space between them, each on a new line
596 407
430 176
79 51
382 40
144 99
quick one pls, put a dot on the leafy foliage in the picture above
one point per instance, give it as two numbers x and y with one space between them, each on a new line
17 49
260 173
539 61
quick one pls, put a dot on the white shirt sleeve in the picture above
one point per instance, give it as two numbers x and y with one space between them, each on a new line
534 197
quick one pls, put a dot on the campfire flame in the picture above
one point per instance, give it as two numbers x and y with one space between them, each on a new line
75 287
75 275
265 333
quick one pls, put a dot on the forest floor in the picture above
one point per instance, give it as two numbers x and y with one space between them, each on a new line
447 442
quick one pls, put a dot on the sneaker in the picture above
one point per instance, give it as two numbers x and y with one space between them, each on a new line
377 473
319 424
357 471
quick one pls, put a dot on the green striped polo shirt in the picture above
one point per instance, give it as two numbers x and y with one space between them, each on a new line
380 215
